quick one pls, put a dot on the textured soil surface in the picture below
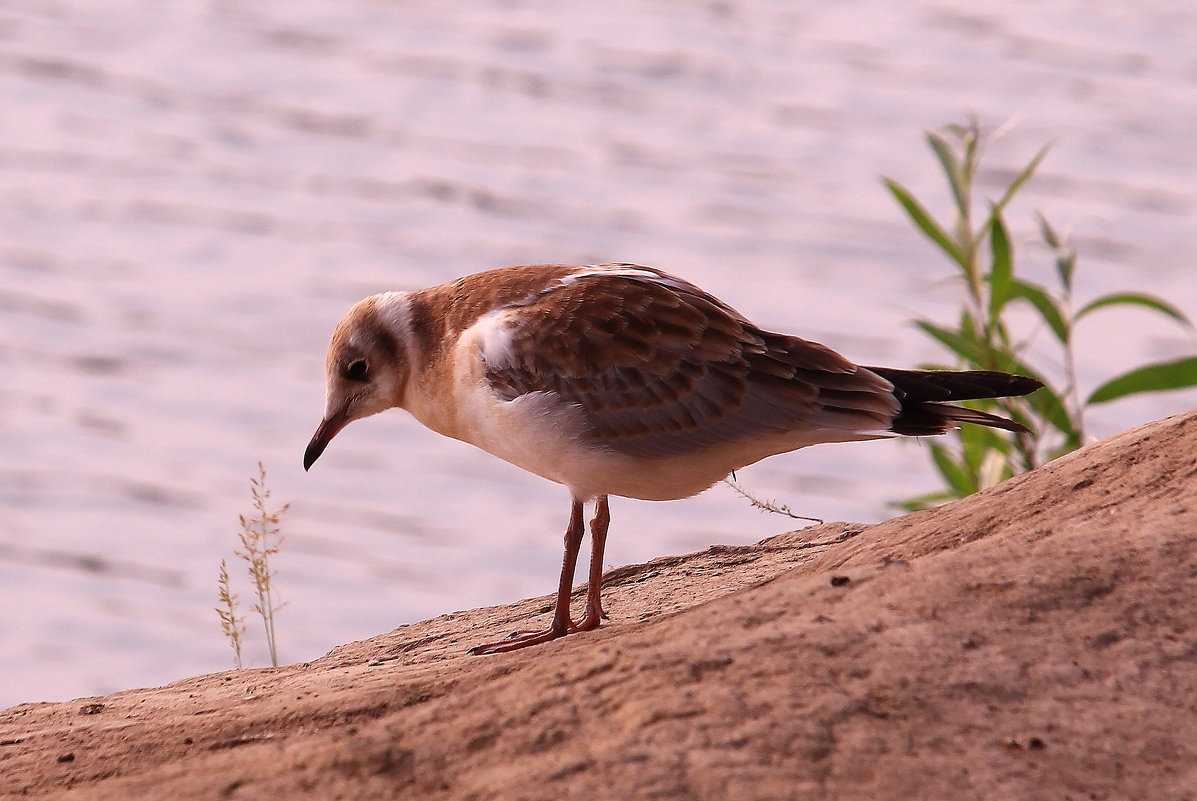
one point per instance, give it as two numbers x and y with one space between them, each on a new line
1034 641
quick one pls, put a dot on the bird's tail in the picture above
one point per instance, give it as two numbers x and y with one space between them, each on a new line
925 396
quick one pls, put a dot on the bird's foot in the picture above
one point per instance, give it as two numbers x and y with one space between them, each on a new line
520 639
590 621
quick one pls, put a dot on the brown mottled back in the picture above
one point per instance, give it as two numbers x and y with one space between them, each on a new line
661 368
438 314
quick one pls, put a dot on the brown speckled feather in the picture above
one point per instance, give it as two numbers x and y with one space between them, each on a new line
661 368
617 380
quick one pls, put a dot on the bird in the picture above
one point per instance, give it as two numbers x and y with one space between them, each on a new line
619 379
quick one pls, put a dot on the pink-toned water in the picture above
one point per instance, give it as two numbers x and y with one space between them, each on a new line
192 193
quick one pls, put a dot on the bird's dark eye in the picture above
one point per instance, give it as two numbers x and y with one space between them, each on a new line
356 370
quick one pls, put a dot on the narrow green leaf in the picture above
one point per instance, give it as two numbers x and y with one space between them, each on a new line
1134 299
951 167
1046 305
1001 271
1176 374
966 348
925 222
1001 336
1047 404
920 502
1047 232
1021 179
1000 207
1070 443
953 473
977 355
970 143
967 324
1065 255
1066 267
975 443
962 132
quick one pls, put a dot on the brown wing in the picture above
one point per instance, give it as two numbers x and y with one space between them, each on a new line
659 367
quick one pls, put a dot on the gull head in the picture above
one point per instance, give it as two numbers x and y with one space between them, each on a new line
366 369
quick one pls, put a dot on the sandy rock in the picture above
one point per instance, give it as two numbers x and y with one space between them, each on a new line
1034 641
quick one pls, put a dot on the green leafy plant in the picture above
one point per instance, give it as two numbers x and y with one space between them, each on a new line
985 335
261 536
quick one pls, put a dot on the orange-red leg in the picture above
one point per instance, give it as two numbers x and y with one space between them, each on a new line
594 585
561 624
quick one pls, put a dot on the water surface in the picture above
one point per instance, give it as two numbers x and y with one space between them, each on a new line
193 193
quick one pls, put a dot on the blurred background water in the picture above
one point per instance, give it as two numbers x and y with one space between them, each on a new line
191 193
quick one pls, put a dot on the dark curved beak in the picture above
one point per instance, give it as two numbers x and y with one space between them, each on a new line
328 429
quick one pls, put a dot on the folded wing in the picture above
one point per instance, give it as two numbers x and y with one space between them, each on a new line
659 367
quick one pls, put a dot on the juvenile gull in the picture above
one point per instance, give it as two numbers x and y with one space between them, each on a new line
618 379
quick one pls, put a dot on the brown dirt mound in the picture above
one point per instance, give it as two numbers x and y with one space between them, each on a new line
1034 641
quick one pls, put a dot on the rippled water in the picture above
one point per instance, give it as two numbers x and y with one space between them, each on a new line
193 192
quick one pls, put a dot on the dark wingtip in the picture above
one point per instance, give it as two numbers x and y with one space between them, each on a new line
916 386
1022 385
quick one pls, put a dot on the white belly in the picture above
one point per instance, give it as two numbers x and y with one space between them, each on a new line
542 435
